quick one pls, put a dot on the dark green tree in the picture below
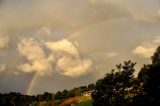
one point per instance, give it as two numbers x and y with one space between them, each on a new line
113 88
47 96
149 77
58 96
83 88
149 83
156 56
77 92
70 93
91 86
65 92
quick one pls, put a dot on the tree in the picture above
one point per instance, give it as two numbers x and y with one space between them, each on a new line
149 77
156 56
39 97
58 95
47 96
83 88
91 86
65 92
113 88
77 92
71 93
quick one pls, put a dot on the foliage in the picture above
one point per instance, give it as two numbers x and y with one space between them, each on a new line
149 76
91 86
85 103
120 88
112 89
156 56
77 91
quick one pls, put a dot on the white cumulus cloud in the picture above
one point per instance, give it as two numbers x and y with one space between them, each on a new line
62 46
71 65
4 40
62 54
74 67
37 60
146 50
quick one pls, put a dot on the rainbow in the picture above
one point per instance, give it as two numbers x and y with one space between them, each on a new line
31 83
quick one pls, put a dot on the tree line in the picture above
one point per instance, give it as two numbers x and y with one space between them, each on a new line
18 99
121 88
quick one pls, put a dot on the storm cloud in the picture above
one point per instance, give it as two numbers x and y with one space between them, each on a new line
62 40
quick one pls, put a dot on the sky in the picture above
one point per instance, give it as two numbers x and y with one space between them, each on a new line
51 45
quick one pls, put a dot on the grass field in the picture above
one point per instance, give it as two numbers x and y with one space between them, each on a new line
85 103
78 101
75 101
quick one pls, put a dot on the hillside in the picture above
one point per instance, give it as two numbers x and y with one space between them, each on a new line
75 101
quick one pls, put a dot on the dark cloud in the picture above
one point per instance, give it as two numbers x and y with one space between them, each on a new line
14 83
104 32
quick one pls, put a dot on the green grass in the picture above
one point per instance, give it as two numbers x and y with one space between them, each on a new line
85 103
57 102
82 101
